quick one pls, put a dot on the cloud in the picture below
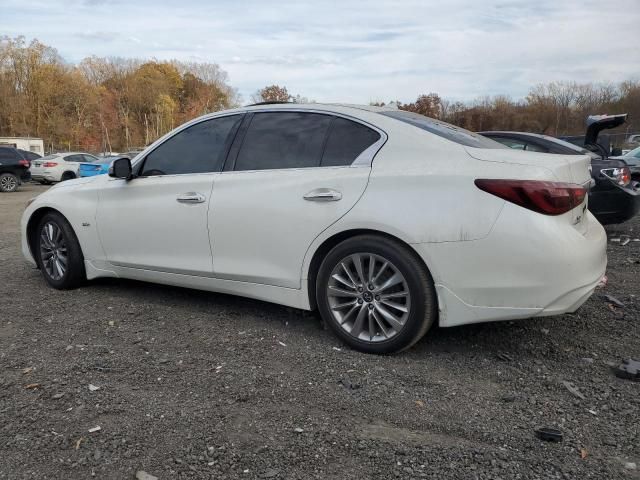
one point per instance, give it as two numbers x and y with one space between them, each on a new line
100 36
353 50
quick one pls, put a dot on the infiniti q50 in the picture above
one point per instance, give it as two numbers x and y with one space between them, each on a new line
386 221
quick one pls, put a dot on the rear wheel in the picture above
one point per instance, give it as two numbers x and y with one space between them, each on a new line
376 294
8 182
58 252
68 176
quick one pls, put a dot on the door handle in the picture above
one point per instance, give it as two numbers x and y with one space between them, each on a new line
191 197
323 195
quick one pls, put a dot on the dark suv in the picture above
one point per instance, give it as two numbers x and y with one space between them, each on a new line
14 169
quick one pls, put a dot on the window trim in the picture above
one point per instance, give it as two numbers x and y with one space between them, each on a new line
365 159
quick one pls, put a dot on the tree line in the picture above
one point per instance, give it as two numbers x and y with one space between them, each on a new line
117 104
101 104
556 108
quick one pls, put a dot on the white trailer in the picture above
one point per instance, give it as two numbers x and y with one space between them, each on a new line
30 144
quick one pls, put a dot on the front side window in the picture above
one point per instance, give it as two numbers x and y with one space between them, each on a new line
283 140
347 140
200 148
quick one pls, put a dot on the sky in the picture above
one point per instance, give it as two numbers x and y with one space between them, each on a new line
353 51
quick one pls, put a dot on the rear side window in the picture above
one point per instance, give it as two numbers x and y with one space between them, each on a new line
443 129
73 158
9 154
199 148
347 140
283 140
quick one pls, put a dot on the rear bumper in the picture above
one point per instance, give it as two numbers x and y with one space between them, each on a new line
46 176
505 276
615 205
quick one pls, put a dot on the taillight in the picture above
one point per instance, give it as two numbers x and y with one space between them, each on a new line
24 163
49 164
549 198
623 176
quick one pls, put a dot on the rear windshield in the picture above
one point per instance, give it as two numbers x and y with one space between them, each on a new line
49 157
444 130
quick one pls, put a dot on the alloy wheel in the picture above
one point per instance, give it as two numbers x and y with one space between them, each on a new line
8 183
369 297
53 250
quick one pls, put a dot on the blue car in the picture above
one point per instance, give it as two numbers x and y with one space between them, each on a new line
99 167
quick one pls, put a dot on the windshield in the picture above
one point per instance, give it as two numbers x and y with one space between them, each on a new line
635 153
49 157
444 130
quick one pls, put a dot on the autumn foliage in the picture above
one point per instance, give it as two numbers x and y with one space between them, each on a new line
101 104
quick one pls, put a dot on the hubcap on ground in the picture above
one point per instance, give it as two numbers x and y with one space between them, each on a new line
369 297
8 182
53 251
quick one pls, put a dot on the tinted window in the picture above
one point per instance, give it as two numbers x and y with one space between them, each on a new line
443 129
511 143
283 140
73 158
9 154
89 158
346 141
200 148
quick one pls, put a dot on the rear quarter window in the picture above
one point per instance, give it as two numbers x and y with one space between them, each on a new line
9 154
445 130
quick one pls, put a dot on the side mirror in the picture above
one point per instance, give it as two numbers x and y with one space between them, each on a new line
121 168
616 151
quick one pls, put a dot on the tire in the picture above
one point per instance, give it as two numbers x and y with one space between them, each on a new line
9 182
55 240
390 320
67 176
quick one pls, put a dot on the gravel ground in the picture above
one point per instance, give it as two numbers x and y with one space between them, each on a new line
200 385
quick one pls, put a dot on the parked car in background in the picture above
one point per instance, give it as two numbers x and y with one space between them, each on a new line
99 166
14 169
632 159
31 156
59 167
386 221
614 197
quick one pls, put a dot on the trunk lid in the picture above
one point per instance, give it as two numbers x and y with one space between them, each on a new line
565 168
597 123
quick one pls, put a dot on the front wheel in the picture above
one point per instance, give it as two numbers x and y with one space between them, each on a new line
8 182
376 294
58 252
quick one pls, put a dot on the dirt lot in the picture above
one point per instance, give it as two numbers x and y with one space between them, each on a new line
199 385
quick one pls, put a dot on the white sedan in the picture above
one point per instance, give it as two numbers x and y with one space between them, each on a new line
59 167
386 221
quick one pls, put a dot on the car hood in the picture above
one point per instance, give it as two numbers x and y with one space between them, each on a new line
597 123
